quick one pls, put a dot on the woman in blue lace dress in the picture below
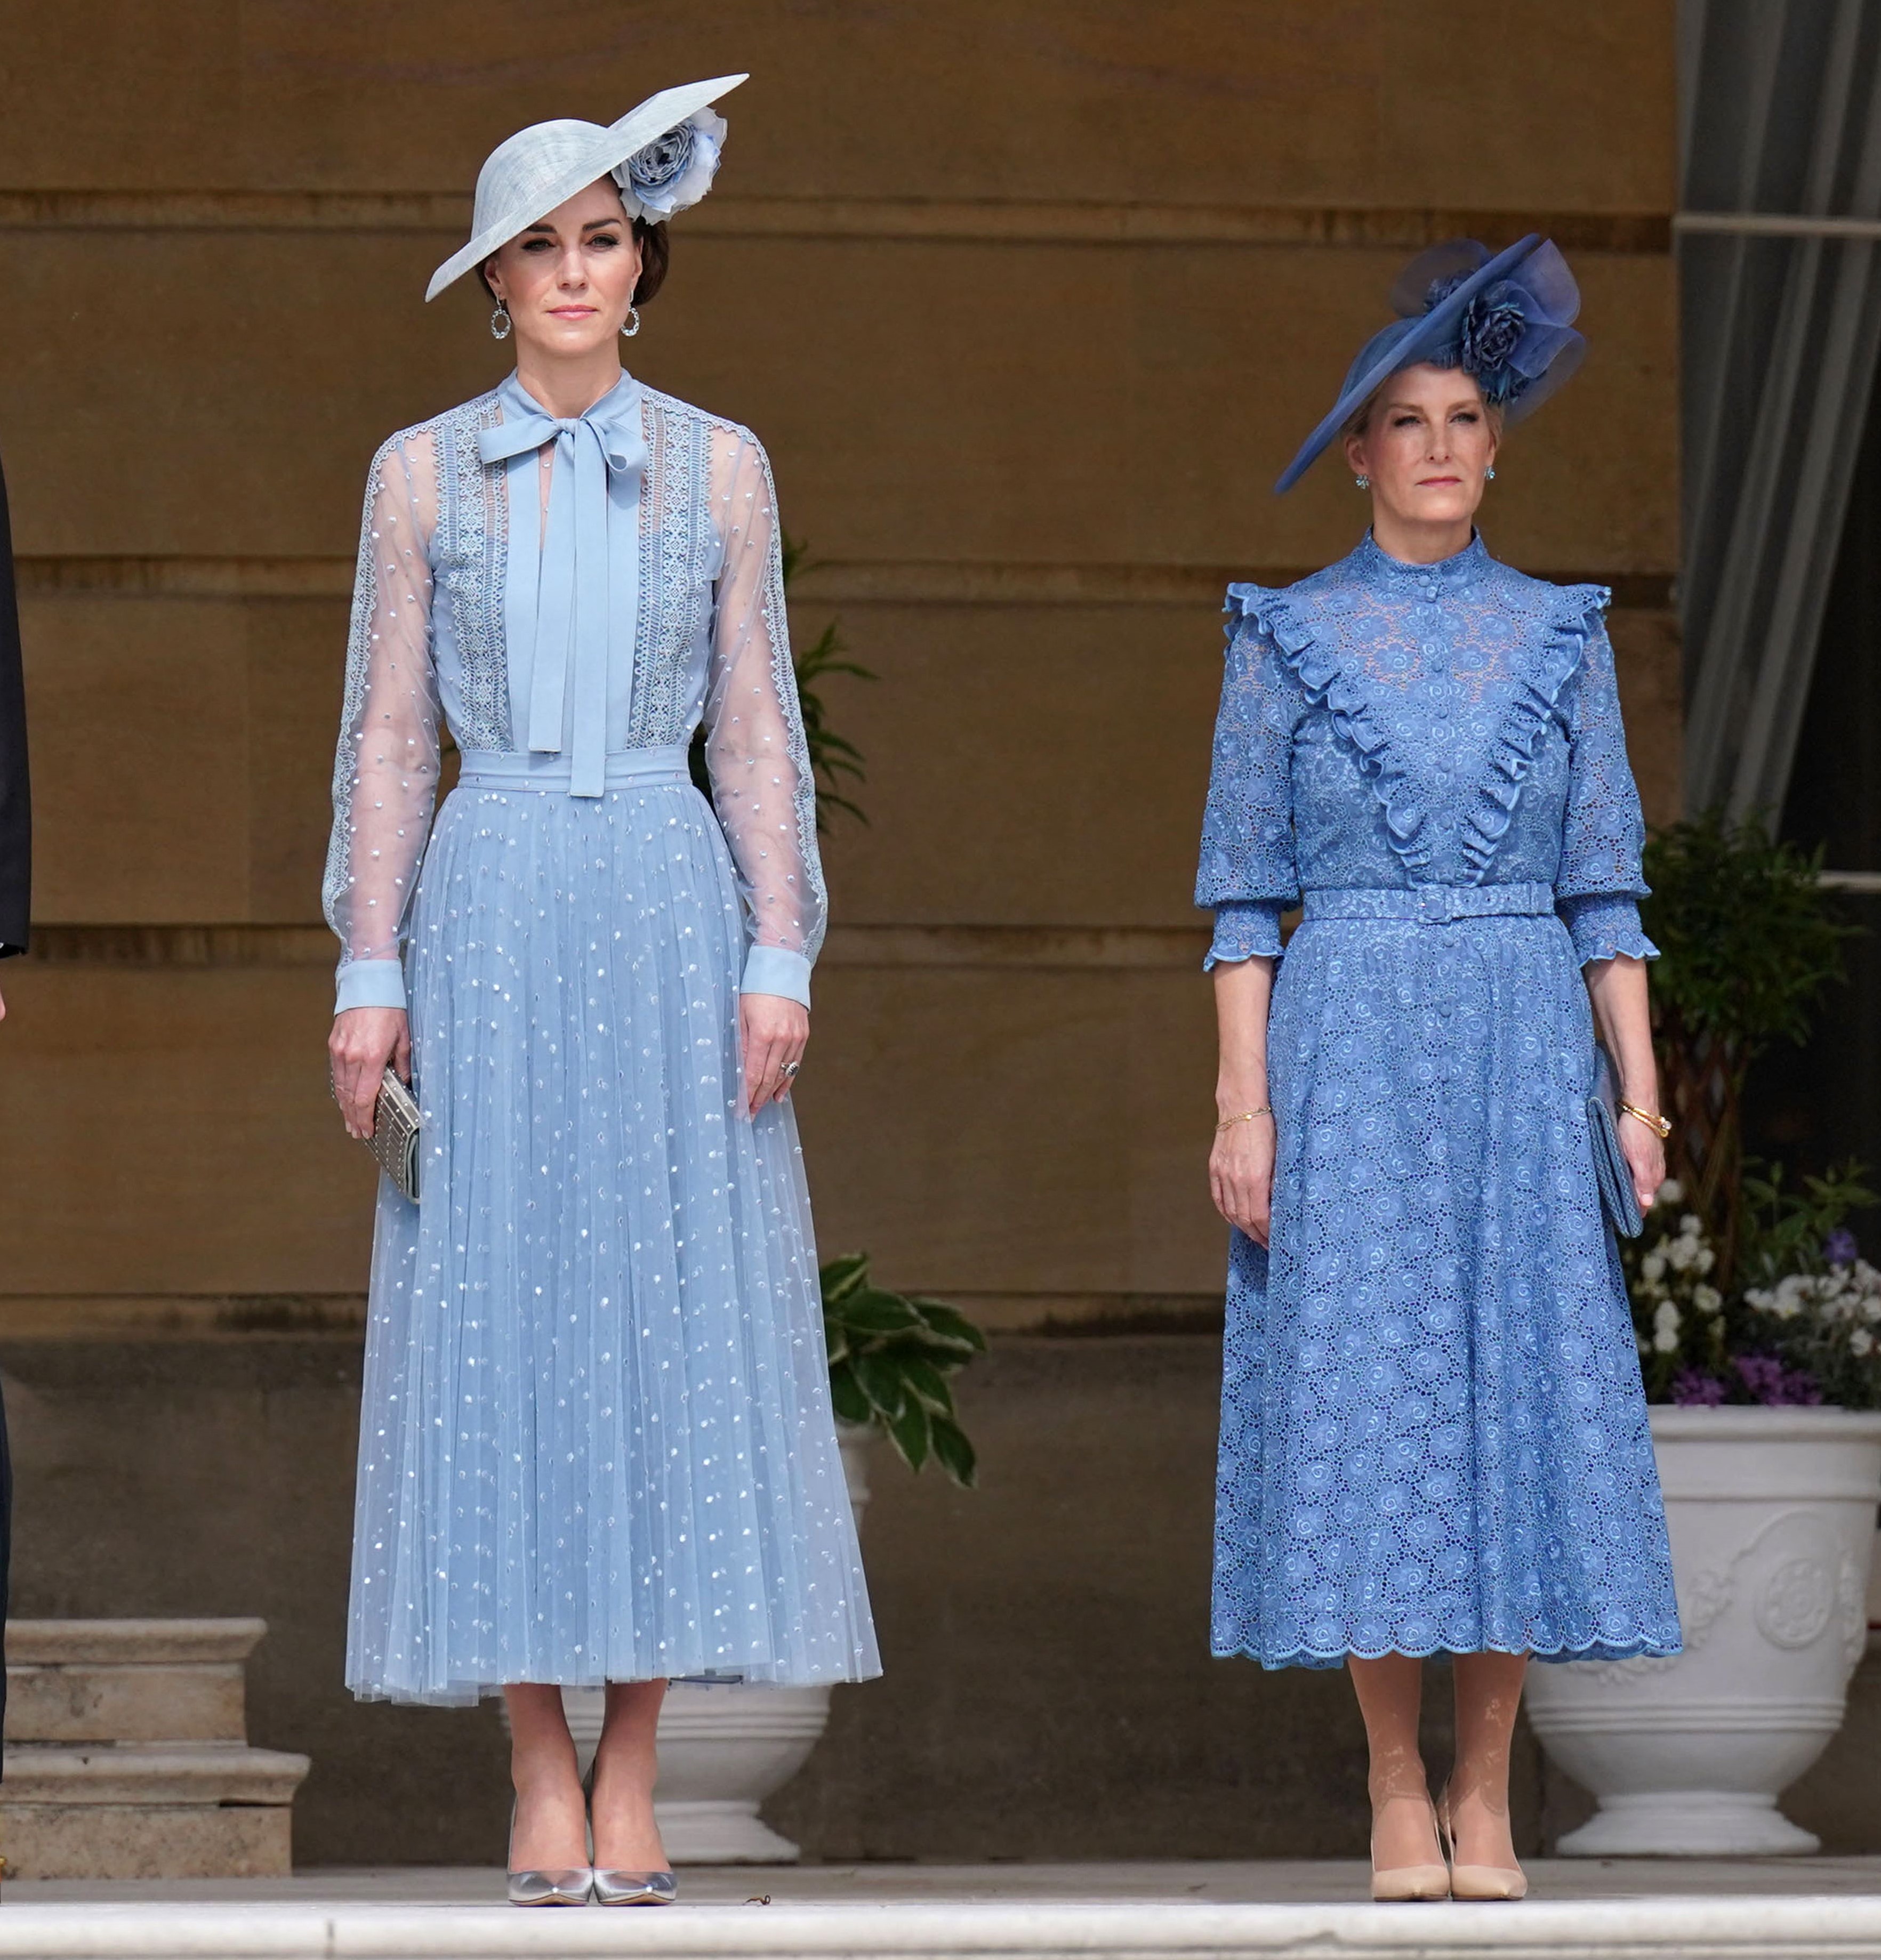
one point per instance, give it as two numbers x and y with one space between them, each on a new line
597 1445
1434 1437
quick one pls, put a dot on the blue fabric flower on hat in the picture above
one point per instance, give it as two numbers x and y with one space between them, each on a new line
675 171
1513 332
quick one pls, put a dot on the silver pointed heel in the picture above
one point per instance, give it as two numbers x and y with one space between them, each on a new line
635 1887
571 1887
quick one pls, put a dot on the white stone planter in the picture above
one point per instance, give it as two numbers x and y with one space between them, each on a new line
724 1747
1771 1513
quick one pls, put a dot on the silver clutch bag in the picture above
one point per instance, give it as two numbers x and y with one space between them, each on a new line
395 1133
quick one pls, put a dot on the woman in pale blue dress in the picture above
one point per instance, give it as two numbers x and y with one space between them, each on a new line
597 1445
1434 1435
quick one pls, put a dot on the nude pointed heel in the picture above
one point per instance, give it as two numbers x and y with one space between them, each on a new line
1474 1881
1401 1883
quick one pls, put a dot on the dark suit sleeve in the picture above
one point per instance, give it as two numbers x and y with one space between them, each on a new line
16 817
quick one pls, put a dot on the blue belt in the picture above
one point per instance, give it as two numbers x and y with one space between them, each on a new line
1433 904
512 769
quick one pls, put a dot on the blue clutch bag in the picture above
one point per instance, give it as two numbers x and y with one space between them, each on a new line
1610 1169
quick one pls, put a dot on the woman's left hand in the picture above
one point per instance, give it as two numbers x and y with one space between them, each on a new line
774 1033
1645 1156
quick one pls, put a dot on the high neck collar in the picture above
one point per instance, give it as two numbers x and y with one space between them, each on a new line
518 401
1459 569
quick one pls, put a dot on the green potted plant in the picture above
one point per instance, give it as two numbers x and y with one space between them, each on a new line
1759 1327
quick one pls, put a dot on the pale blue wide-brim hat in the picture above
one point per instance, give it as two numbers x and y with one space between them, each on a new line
1505 319
529 174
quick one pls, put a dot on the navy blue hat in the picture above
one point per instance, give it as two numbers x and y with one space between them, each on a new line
1504 320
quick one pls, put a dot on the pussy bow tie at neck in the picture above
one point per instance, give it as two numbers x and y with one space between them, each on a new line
586 592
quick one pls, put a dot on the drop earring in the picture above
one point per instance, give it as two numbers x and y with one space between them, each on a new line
500 322
630 325
1489 475
1364 483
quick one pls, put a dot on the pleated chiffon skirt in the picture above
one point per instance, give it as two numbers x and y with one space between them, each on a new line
1433 1434
596 1441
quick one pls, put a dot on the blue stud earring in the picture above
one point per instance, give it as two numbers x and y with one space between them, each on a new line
1489 475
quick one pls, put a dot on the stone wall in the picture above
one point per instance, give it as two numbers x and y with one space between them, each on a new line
1030 303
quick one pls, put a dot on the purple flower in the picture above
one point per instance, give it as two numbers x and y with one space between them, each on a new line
1839 1249
1769 1383
1690 1389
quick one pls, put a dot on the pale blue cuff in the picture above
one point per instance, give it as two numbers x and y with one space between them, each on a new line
773 969
370 983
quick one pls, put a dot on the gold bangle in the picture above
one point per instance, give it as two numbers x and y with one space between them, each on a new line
1245 1116
1661 1126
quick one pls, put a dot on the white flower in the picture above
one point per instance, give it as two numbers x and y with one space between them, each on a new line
1706 1260
1692 1225
1665 1341
1667 1320
1683 1253
1671 1192
1652 1266
1706 1299
1861 1341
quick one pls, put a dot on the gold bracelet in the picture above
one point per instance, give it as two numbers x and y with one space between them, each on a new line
1245 1116
1661 1126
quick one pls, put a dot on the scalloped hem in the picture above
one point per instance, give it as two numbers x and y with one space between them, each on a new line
1312 1657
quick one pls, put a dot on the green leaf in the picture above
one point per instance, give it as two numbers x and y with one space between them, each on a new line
874 1311
954 1453
910 1433
881 1383
842 1276
845 1395
926 1383
951 1325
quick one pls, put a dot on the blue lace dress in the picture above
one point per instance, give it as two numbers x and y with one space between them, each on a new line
1433 1434
597 1443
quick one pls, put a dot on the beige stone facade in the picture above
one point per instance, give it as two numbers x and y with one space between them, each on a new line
1030 301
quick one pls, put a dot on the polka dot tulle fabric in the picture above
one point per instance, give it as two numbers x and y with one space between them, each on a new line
596 1439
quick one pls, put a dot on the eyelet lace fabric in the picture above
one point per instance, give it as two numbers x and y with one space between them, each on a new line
596 1441
1433 1431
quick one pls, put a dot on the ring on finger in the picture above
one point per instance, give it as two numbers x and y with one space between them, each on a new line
790 1068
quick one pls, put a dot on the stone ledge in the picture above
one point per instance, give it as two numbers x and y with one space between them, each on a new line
1688 1928
130 1642
196 1701
83 1777
147 1841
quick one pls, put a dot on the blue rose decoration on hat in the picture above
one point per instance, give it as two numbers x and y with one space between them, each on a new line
1505 318
675 171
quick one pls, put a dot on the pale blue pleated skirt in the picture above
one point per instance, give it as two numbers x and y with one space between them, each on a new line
597 1443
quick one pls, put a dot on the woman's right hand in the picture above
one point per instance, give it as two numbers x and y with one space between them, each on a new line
363 1041
1241 1175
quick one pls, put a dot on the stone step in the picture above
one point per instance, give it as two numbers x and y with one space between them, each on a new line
1151 1929
128 1681
127 1754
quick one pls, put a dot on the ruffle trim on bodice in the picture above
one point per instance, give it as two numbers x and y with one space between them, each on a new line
1327 685
1536 703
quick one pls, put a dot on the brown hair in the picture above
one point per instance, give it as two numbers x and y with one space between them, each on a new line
656 254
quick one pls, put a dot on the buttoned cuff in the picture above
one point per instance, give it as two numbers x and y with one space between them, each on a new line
773 970
369 983
1246 929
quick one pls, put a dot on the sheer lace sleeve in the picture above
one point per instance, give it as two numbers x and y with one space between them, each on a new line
1599 886
759 762
1248 871
385 776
